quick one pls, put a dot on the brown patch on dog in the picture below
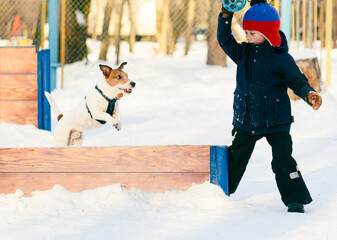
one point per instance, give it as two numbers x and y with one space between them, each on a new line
115 77
105 70
59 117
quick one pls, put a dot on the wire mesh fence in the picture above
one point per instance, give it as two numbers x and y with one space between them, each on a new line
25 22
112 23
18 21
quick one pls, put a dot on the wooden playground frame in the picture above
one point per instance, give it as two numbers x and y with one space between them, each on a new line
25 76
148 168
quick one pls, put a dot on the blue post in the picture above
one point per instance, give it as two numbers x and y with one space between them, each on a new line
286 18
43 80
219 167
53 20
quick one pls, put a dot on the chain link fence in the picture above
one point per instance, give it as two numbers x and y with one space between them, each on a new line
18 22
166 22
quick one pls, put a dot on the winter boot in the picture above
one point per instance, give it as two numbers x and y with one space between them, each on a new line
295 207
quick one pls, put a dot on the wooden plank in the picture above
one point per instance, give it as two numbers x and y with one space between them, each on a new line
77 182
106 159
18 112
18 87
18 60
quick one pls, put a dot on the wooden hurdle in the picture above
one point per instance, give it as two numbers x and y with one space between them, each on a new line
149 168
18 85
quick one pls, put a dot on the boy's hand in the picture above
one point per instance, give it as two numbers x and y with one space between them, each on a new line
226 13
314 99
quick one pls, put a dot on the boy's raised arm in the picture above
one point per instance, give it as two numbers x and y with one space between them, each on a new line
225 13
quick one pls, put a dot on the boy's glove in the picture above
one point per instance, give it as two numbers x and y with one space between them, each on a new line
225 13
253 2
314 99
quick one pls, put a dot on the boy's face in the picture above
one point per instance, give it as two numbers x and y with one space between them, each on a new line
254 37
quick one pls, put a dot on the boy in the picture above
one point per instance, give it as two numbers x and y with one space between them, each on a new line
261 104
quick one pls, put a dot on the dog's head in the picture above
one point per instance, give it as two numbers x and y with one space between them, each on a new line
118 78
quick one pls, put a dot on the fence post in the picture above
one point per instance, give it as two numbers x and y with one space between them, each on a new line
43 84
286 18
219 167
53 17
328 41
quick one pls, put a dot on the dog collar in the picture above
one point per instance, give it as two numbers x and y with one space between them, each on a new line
105 97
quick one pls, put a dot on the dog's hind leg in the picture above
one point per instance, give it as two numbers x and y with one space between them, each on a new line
61 133
75 138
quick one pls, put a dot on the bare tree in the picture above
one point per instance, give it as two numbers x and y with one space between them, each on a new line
190 24
118 30
94 34
105 33
215 55
132 37
162 13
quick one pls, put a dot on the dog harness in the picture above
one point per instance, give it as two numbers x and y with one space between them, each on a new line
111 105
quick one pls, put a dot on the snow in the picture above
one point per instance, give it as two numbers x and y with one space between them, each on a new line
178 100
306 53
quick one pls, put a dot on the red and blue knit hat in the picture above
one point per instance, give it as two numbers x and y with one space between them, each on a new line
263 18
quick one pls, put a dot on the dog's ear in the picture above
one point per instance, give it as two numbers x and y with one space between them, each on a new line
121 66
105 70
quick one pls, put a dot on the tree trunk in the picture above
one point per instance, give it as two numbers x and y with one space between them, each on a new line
105 33
162 11
159 18
215 55
171 32
118 31
132 37
190 25
94 34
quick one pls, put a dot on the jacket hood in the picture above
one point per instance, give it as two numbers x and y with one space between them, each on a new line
284 43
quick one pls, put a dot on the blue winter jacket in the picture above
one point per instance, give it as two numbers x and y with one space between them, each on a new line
261 103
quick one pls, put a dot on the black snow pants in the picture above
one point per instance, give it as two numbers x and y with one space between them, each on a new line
288 178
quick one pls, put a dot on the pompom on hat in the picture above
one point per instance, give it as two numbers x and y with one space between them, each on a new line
263 18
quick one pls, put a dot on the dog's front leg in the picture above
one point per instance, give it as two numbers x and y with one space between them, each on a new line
117 116
105 117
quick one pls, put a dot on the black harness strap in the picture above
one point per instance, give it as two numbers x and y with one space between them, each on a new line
111 105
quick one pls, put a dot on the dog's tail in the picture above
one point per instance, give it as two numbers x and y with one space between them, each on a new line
54 106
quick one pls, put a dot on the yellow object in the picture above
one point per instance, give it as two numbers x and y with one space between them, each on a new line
277 5
63 41
328 40
315 22
25 42
43 20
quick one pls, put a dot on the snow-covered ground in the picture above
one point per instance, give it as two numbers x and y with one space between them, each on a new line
179 100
